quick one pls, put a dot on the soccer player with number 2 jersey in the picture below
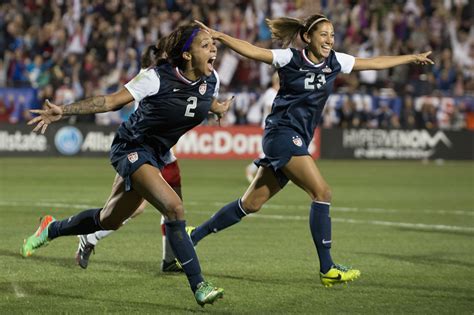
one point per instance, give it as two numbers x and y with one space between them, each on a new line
174 97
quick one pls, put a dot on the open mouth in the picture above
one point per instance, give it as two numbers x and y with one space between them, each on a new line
210 63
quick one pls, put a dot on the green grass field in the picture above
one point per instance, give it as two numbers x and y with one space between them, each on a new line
407 226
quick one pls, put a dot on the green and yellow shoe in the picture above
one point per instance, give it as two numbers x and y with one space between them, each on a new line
38 239
338 274
207 293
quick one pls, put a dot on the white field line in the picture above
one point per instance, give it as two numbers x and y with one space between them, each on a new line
422 226
352 209
18 292
51 204
439 227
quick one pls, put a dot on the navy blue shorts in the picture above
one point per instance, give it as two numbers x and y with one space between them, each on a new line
127 157
279 145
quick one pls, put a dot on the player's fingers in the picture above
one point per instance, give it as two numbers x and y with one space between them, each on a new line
38 127
202 25
47 103
34 120
44 128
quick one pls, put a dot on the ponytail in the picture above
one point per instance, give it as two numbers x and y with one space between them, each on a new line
149 57
286 29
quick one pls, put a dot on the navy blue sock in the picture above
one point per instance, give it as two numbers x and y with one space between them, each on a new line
184 250
320 225
84 222
229 215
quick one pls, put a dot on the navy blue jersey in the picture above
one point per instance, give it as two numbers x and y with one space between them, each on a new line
304 89
169 106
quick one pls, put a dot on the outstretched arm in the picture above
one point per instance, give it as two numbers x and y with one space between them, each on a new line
240 46
384 62
96 104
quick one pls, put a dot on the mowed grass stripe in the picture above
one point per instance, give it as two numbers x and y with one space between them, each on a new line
422 226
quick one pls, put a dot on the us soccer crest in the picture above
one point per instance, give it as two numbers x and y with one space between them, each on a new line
327 70
203 88
132 157
297 141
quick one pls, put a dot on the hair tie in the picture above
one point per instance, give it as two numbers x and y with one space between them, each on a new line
188 43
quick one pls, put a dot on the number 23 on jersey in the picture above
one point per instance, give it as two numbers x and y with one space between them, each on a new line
312 80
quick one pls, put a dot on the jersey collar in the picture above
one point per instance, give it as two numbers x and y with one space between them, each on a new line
179 74
308 61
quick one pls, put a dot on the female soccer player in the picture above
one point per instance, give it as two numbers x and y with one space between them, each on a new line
306 79
171 174
174 97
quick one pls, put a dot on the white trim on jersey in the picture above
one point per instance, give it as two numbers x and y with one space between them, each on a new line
347 62
218 84
181 76
146 83
281 57
309 60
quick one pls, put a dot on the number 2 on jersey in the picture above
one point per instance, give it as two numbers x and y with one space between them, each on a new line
309 80
192 104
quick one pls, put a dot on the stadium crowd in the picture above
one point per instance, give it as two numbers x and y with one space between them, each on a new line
64 50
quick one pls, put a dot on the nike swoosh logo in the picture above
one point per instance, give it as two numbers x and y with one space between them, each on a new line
326 242
301 69
187 262
175 90
339 277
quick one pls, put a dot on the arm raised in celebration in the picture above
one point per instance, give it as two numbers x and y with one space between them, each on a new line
385 62
92 105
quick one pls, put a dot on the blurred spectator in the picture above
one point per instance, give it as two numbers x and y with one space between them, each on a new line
6 109
95 45
20 111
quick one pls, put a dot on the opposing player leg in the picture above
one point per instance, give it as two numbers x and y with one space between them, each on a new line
149 183
88 243
264 186
172 175
303 172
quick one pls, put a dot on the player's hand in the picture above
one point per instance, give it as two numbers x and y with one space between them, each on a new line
422 59
221 108
48 115
213 33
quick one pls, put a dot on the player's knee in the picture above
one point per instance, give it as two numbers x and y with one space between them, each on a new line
324 194
251 206
175 212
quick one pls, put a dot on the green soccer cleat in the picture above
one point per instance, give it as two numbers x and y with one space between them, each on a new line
38 239
338 274
206 293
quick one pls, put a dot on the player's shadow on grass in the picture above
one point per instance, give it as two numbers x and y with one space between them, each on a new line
432 259
274 280
420 290
70 262
32 288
